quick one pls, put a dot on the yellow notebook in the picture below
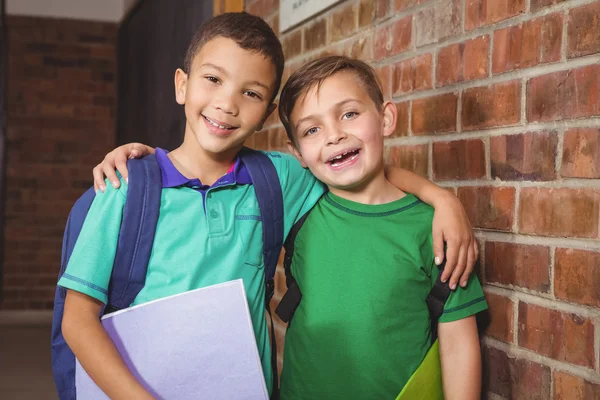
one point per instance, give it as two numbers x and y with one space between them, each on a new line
426 382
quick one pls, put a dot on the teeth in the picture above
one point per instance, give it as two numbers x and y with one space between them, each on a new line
213 123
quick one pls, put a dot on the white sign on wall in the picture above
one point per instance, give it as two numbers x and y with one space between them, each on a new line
292 12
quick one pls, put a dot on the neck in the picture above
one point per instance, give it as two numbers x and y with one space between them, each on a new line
377 190
195 162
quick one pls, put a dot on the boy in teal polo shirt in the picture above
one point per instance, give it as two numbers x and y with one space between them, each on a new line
200 238
364 257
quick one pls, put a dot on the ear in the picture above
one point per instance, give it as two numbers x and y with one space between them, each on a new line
296 153
181 79
270 110
390 115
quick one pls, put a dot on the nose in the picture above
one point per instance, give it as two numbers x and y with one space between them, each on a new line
226 103
335 135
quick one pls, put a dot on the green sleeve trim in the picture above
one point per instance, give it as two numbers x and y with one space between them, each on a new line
463 306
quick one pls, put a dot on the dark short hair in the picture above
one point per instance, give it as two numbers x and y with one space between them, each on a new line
248 31
314 73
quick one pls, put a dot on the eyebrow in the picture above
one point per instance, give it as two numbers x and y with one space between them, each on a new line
336 105
222 70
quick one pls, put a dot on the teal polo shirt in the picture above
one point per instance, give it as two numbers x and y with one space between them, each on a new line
204 236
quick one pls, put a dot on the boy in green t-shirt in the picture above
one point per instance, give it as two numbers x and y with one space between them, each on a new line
364 257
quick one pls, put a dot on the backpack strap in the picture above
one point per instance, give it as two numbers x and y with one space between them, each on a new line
291 299
136 237
436 299
270 202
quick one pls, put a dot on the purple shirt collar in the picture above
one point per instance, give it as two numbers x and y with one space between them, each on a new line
171 177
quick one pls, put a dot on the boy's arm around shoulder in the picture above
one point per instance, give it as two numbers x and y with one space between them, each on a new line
460 357
300 189
95 350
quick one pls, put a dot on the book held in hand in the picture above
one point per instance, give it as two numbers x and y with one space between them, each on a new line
194 345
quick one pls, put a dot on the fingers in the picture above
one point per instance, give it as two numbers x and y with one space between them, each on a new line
108 168
98 178
472 257
438 247
452 253
461 263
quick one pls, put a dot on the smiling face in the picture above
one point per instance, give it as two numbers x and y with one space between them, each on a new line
227 96
338 132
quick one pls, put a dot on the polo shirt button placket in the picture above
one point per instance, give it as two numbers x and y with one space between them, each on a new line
214 214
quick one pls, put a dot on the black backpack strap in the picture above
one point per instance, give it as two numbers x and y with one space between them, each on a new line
291 299
436 299
136 237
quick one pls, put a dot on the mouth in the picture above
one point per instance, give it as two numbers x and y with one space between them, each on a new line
218 124
343 158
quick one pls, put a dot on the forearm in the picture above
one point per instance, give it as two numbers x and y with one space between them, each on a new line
460 357
98 355
410 182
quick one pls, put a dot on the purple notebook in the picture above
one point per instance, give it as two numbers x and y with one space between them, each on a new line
194 345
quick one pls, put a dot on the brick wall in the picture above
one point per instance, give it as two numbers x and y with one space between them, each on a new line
61 120
500 102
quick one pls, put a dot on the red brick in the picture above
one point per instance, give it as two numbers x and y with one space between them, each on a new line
437 22
518 265
262 8
561 336
61 97
412 158
343 22
360 47
569 387
513 378
384 75
564 95
577 276
460 159
463 61
489 207
402 5
501 317
530 156
402 119
315 35
436 114
292 44
539 4
584 30
484 12
489 106
528 44
414 74
581 154
371 10
393 38
277 139
559 212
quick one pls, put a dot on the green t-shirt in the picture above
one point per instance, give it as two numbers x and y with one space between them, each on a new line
362 327
197 243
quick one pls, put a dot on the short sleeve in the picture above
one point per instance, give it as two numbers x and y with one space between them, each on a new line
301 190
464 302
91 262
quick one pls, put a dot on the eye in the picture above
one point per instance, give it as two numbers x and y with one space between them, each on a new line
212 79
350 115
252 94
311 131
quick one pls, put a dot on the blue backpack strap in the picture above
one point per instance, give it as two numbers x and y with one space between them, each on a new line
136 237
270 202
